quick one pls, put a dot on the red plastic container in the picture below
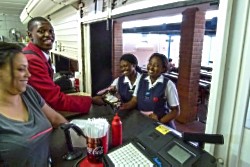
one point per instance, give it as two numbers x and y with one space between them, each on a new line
77 85
116 131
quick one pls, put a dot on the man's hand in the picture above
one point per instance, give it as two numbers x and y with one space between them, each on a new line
98 100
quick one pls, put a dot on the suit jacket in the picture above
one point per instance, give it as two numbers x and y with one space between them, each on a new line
42 80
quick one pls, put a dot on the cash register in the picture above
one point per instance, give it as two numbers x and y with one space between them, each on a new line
159 146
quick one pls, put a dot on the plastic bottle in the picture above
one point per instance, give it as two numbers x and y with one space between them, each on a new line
116 131
76 82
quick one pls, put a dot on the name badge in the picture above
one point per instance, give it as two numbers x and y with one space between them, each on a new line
147 95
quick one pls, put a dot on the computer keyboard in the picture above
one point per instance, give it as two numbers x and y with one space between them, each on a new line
129 156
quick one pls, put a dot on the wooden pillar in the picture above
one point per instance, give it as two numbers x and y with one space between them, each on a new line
191 44
117 48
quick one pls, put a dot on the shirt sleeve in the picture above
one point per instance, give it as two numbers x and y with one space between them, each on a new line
36 96
51 92
172 94
115 83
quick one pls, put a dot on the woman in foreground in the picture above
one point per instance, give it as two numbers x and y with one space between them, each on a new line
26 121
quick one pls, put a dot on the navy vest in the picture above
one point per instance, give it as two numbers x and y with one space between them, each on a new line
124 90
152 99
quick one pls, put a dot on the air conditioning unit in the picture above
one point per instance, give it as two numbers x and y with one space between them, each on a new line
42 8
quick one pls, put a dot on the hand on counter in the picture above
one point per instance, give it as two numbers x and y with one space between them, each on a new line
129 105
150 114
123 106
153 116
98 100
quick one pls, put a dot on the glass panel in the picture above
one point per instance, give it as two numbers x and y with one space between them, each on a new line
248 115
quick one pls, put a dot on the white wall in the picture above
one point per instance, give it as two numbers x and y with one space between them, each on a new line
68 38
229 92
247 124
7 22
65 23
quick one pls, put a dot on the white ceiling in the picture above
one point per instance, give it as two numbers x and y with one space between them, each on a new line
12 7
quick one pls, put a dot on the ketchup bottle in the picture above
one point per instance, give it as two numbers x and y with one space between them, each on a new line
76 83
116 131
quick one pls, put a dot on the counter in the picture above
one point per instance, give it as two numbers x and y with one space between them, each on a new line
133 123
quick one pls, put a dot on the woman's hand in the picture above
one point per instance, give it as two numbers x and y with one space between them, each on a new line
129 105
153 116
174 112
123 106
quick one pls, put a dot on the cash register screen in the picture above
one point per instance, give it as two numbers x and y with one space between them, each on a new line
179 154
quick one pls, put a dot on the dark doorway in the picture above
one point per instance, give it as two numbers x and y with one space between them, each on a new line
101 55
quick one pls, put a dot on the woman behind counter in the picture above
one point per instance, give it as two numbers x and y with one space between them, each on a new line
156 96
125 84
131 73
26 121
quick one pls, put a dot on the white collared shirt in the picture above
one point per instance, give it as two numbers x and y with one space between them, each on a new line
126 80
170 91
47 56
160 79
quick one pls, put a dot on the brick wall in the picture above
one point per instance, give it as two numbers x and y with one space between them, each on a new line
117 48
191 43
